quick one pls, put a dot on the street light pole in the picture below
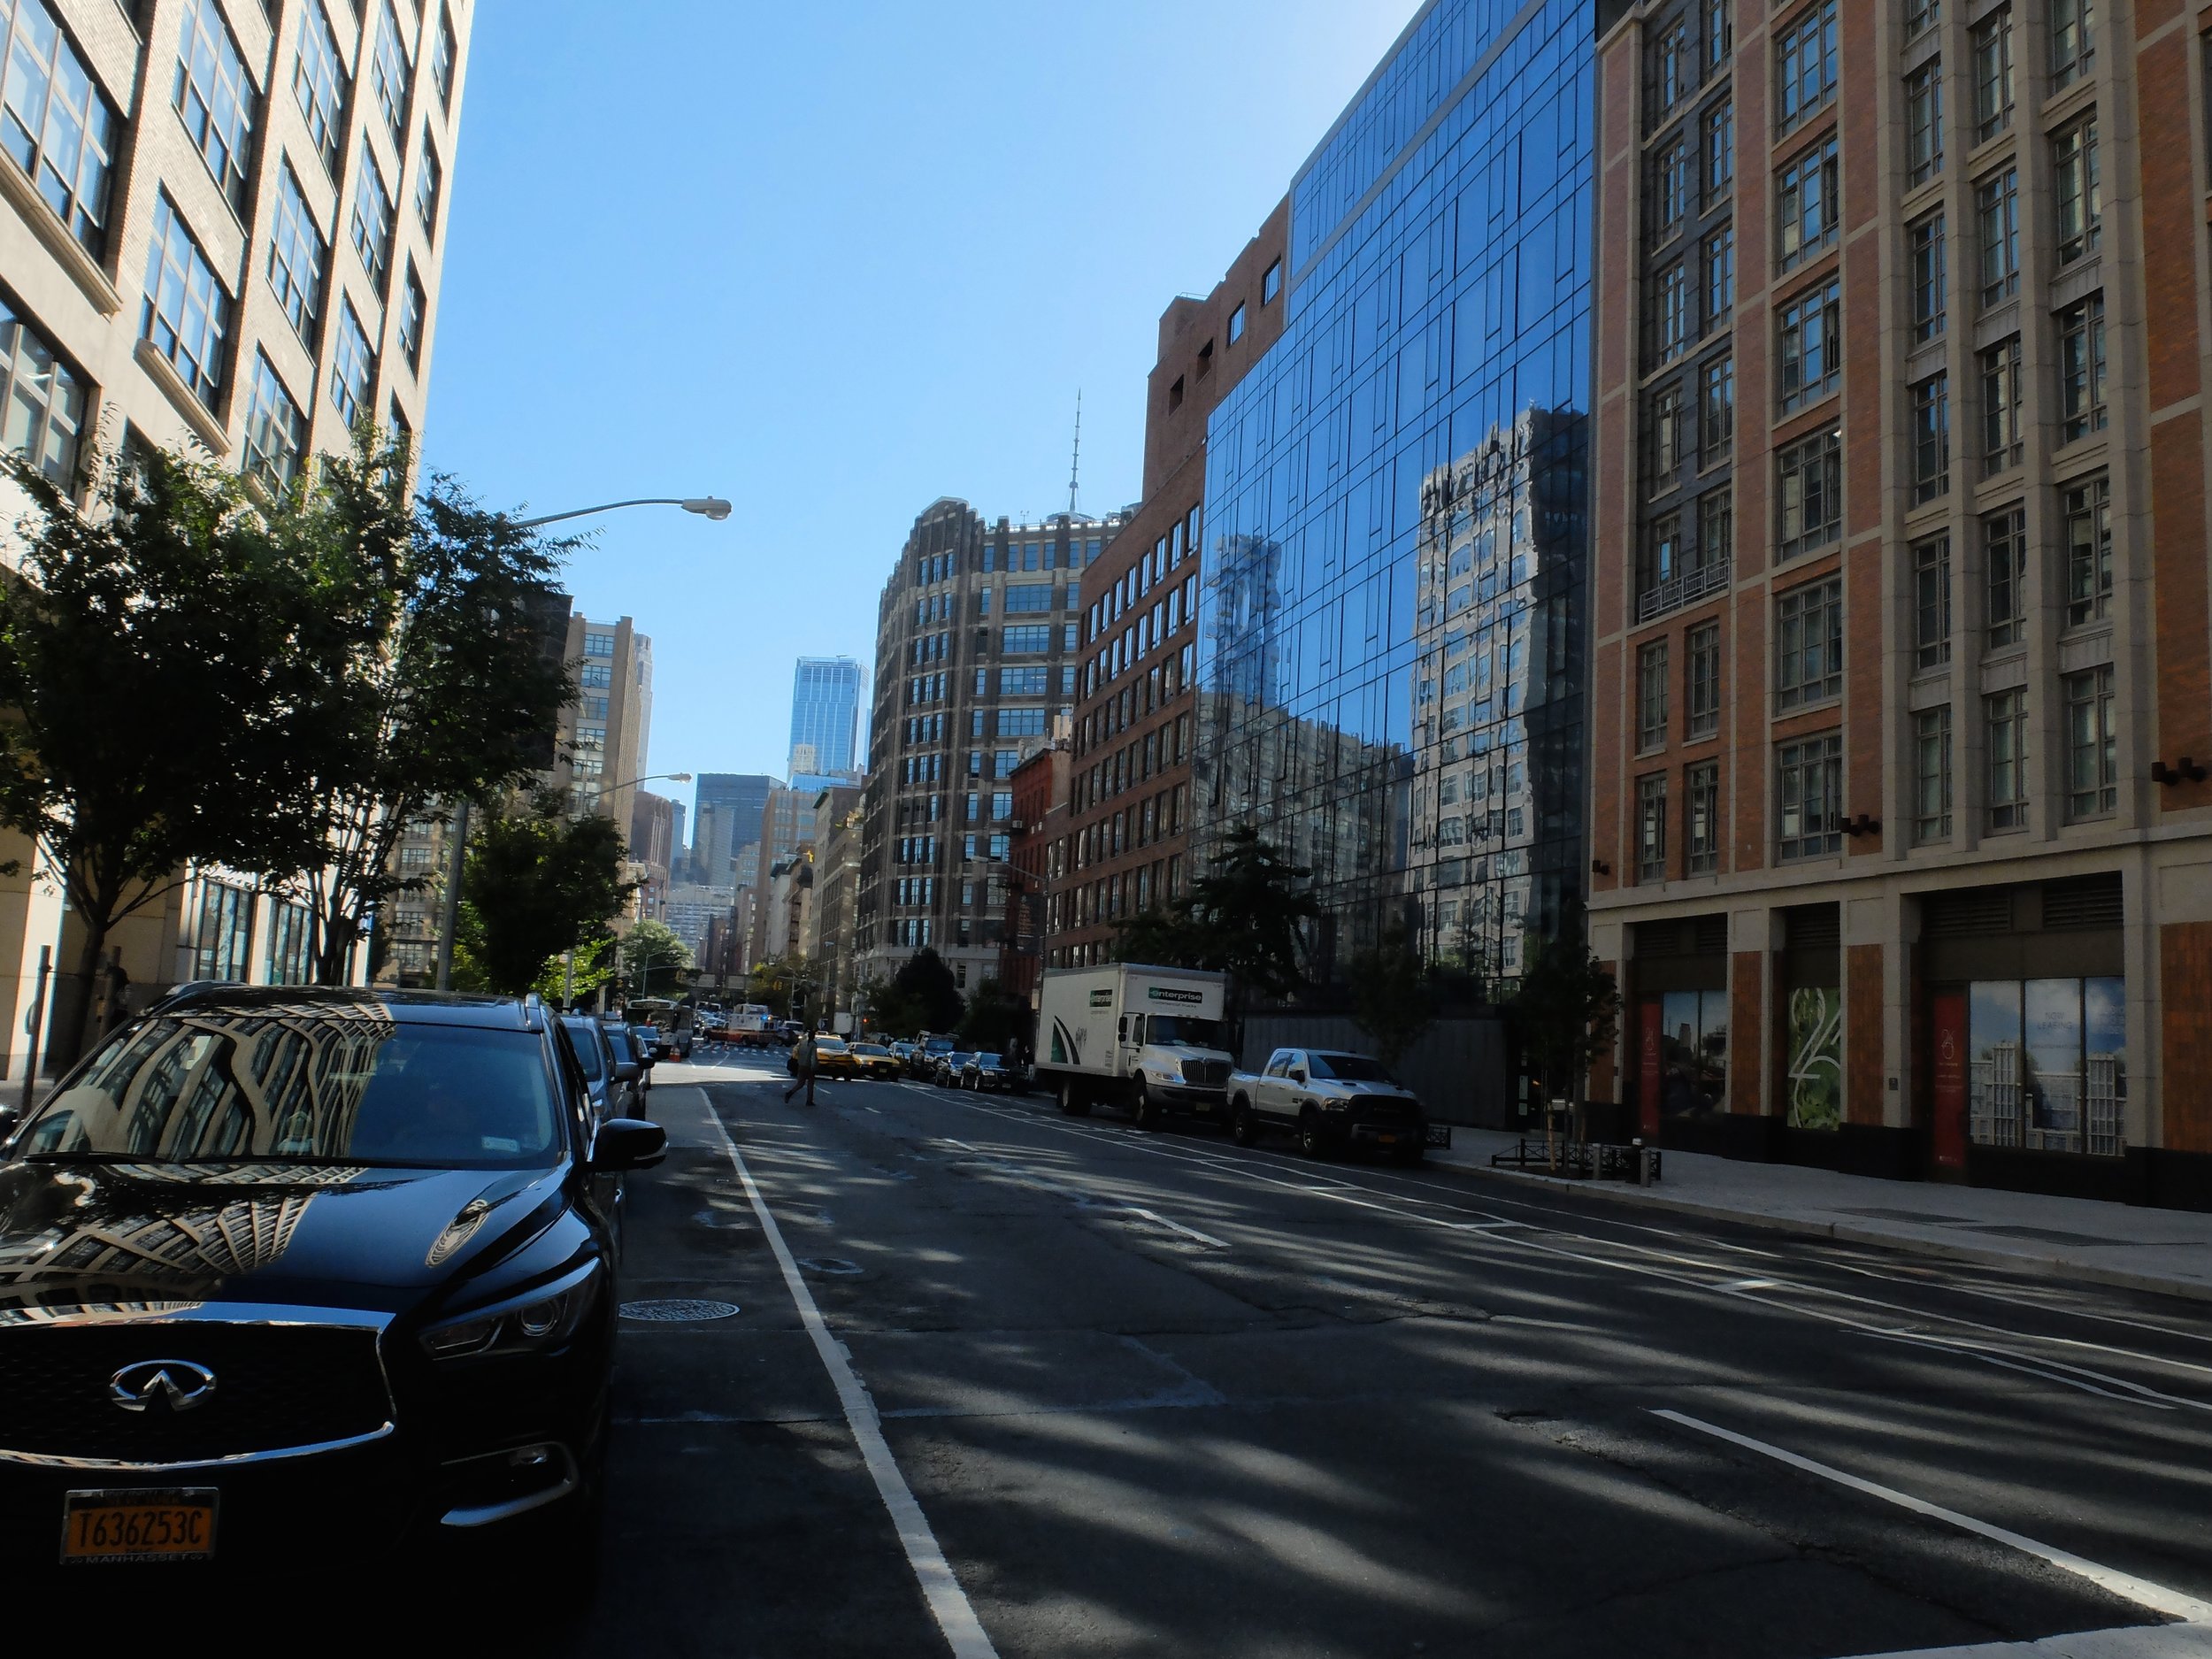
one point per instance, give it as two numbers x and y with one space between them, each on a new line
711 507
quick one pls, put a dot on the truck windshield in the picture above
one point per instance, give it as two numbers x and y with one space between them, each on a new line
1186 1031
1348 1068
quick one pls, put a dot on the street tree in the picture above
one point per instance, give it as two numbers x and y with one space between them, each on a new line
992 1018
535 884
1249 904
655 962
773 980
923 996
1567 1011
443 679
1390 995
159 660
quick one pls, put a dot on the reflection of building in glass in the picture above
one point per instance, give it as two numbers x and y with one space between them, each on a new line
1391 639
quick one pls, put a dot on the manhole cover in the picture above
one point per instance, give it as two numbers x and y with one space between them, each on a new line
828 1265
678 1310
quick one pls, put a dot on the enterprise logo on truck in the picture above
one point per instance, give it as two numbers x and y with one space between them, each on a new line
1168 993
1103 997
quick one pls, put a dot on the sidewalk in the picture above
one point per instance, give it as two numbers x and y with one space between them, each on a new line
2080 1239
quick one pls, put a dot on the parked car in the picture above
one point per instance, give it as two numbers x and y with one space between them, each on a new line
874 1060
989 1073
372 1307
928 1054
902 1052
947 1070
613 1082
652 1042
627 1051
1332 1102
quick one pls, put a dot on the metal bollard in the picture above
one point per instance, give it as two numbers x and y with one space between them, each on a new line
1643 1162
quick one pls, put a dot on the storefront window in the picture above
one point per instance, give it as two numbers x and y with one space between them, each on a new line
1694 1052
1815 1082
2047 1063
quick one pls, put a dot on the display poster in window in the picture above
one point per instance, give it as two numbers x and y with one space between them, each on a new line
1652 1041
1946 1021
1814 1075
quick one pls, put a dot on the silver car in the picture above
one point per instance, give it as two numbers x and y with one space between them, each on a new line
613 1079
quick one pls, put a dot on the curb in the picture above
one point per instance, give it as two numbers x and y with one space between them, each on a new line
2054 1267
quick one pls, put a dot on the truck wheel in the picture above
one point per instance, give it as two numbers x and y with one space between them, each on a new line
1072 1103
1407 1157
1149 1112
1244 1128
1312 1142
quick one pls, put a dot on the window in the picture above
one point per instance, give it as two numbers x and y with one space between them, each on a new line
319 85
187 313
1928 305
1811 345
1804 63
1027 596
1020 682
2005 568
1997 208
352 366
1271 283
1671 312
1236 324
1806 203
1719 150
2080 196
1704 681
1809 644
2093 746
1924 121
2081 368
2007 714
1701 813
1031 637
1930 437
296 256
2003 446
596 675
1715 410
215 97
1931 775
56 121
389 75
1808 506
1666 438
43 402
444 51
1670 188
1002 806
276 433
1931 602
429 179
1808 796
1651 828
2073 40
1675 71
1023 723
1720 274
1662 547
371 219
1716 529
1720 38
1651 695
2087 506
414 307
1993 74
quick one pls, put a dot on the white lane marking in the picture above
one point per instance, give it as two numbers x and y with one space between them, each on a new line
2158 1597
1188 1232
940 1588
2132 1642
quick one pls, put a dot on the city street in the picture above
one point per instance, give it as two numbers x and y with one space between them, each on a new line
1154 1395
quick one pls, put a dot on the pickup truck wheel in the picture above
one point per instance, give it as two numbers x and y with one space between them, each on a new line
1072 1104
1244 1128
1311 1140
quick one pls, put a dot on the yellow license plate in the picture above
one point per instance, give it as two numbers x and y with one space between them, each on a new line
136 1523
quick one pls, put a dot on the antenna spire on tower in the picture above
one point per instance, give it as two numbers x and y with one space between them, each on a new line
1075 465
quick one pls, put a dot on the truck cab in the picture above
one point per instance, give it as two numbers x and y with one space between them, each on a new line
1331 1101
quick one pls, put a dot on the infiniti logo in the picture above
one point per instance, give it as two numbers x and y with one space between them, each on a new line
176 1385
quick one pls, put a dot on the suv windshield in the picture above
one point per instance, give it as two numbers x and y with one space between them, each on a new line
1186 1031
585 1040
1348 1068
275 1084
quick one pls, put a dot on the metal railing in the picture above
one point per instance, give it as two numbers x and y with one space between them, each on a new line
1677 591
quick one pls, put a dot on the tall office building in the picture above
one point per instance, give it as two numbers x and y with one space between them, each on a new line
976 653
826 693
1125 841
725 819
1391 631
221 225
606 731
1901 710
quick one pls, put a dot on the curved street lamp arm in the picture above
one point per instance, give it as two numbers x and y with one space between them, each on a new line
711 506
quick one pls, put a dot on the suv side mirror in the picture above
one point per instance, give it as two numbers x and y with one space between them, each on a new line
627 1143
627 1071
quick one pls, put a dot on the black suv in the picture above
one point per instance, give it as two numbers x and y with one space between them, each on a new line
291 1276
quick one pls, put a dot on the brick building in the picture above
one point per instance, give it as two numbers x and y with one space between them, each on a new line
1901 836
1128 821
1040 822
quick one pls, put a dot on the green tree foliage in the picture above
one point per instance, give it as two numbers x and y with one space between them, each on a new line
536 884
1390 996
159 659
1241 918
655 962
578 978
1567 1011
772 982
992 1019
923 996
442 683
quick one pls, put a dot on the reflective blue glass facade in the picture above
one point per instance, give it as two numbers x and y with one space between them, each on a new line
1392 652
826 693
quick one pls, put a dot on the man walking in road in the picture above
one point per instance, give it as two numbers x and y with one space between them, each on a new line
803 1068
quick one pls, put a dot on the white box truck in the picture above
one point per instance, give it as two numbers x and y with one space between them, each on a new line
1147 1038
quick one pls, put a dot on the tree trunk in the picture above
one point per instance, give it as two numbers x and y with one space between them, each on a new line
72 1011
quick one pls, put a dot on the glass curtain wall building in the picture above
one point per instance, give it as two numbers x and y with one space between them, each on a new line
825 694
1391 648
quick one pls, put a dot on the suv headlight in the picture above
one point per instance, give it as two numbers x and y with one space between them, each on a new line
540 1318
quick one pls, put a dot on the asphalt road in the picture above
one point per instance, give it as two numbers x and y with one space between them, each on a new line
1004 1381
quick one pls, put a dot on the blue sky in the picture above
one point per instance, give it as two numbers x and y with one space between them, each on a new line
834 261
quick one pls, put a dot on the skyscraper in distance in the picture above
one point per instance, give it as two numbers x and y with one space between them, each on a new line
826 693
726 819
